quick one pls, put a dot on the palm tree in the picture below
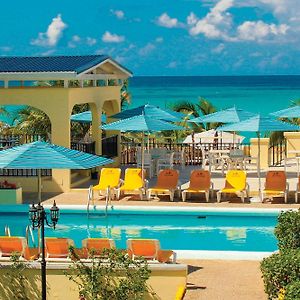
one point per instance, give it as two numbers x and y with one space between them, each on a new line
32 121
278 137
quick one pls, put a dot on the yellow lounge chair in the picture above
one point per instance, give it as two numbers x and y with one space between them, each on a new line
235 184
150 250
108 183
10 245
167 183
276 185
97 245
200 182
133 183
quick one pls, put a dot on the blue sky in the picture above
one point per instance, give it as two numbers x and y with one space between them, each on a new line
160 37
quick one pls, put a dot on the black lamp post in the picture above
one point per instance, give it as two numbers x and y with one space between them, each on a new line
38 217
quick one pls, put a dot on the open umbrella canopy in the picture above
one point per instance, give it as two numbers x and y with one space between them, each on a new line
259 124
230 115
150 111
291 112
86 117
141 123
42 155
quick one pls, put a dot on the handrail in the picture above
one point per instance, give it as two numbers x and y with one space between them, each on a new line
90 198
29 232
7 230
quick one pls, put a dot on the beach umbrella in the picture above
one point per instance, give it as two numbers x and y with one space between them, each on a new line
86 117
230 115
259 124
150 111
291 112
143 124
41 155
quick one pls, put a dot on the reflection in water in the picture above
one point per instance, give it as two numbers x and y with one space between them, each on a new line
236 234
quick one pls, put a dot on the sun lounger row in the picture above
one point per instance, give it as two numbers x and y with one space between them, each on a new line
200 182
57 249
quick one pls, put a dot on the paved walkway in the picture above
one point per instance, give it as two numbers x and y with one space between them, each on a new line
224 280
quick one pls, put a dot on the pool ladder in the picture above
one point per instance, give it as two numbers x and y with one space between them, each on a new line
28 234
91 198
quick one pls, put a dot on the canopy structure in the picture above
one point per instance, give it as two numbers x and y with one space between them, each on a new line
86 117
210 136
151 111
41 155
259 124
230 115
291 112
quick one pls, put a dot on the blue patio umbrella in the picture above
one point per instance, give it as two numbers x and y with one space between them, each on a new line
259 124
291 112
151 111
11 114
41 155
230 115
141 123
86 117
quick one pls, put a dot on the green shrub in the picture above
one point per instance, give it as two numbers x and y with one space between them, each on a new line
279 270
115 276
288 230
292 291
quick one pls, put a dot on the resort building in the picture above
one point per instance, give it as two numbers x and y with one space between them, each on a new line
54 84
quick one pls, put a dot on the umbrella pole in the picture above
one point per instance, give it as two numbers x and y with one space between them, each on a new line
143 154
39 185
258 166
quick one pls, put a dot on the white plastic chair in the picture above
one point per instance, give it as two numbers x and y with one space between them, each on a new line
148 163
165 163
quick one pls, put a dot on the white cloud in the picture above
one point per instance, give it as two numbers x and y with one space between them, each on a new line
172 65
165 20
108 37
5 48
219 49
48 52
259 30
147 49
76 38
215 24
53 34
91 41
118 13
191 19
159 39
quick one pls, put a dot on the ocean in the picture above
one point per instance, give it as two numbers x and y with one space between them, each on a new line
261 94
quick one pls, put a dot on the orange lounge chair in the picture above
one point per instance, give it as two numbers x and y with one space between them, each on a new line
167 183
235 183
97 245
133 183
108 183
200 182
58 248
276 185
10 245
150 250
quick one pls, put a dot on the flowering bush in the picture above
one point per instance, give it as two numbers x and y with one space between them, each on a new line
7 185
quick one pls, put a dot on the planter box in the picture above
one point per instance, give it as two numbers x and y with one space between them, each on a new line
11 196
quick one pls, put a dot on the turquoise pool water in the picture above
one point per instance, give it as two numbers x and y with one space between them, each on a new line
219 231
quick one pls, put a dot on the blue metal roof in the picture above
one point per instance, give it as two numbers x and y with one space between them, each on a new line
77 64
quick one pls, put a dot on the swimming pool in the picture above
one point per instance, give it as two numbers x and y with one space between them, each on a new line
178 229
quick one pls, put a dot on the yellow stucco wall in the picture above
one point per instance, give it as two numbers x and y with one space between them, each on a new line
58 103
264 151
163 282
292 142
